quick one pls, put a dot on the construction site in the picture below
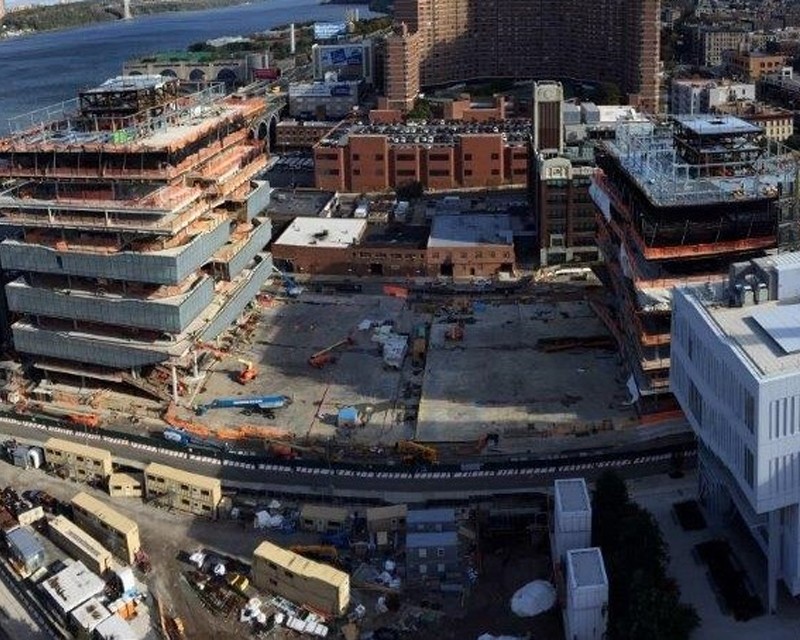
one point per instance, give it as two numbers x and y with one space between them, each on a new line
134 231
677 202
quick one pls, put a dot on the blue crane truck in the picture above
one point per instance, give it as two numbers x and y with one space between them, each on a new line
263 403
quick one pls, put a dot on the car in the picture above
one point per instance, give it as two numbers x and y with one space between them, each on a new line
482 282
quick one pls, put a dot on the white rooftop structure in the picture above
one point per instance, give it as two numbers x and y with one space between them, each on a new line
90 614
72 587
585 613
115 628
470 230
332 233
572 516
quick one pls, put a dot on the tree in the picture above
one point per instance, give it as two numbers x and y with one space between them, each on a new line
422 110
644 604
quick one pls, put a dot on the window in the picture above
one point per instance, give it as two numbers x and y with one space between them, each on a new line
356 157
749 411
379 157
695 403
467 172
495 156
495 172
423 553
439 172
184 487
423 569
273 582
438 157
440 567
272 565
185 502
356 172
749 467
205 492
403 157
467 156
440 552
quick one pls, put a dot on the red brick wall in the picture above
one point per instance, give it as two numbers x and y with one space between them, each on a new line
481 160
369 163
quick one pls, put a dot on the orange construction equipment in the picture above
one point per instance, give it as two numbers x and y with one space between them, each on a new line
325 356
316 551
88 420
245 432
212 349
414 451
248 373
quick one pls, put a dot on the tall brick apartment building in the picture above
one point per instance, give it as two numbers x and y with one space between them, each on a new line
439 42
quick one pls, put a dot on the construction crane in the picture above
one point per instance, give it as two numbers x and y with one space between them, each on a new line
290 286
264 403
316 551
414 451
248 373
325 356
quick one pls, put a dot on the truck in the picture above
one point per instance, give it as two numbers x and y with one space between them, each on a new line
189 441
264 403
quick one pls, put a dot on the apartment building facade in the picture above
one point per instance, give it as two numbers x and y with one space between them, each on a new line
447 41
365 159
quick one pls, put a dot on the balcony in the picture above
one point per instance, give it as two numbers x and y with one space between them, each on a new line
169 314
169 266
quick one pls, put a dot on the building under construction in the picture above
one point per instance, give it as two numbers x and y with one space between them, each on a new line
140 234
678 201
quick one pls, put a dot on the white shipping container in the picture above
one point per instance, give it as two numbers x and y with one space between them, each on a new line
573 516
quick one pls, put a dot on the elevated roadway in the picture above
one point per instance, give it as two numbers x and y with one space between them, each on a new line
320 480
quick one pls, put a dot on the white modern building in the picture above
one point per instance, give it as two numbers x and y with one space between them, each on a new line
572 517
586 607
735 369
691 96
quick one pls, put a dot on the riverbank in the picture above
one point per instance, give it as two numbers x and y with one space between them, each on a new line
85 12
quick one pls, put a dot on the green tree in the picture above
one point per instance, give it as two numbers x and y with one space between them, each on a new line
422 110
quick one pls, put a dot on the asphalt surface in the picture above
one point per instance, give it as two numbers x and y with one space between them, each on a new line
378 482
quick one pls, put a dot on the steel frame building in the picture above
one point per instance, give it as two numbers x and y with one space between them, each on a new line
140 227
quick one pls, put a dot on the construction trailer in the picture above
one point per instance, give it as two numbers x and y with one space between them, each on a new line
25 550
119 533
323 518
300 580
79 544
77 461
126 485
142 228
182 490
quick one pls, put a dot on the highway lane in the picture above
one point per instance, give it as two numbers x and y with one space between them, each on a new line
302 478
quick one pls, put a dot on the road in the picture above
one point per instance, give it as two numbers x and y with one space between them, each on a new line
372 482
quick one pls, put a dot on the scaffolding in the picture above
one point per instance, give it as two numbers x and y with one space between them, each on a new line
675 164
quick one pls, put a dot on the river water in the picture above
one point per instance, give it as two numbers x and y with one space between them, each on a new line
45 68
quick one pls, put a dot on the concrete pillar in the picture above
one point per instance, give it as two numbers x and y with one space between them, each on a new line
174 384
773 559
292 40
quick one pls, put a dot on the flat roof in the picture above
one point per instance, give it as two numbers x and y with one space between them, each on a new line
751 341
329 233
73 586
131 83
323 511
572 495
104 513
301 566
90 614
25 541
115 628
193 479
782 324
77 536
470 230
431 539
716 124
431 516
80 449
390 511
586 567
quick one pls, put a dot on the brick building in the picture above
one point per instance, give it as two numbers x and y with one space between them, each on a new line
463 245
373 158
294 134
440 42
751 65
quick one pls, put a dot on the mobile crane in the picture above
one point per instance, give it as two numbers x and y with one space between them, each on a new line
264 403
